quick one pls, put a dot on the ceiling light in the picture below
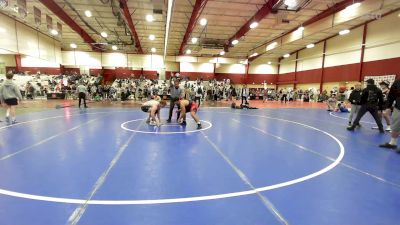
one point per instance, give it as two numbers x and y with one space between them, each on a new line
286 55
188 51
53 32
152 37
254 55
353 6
301 28
269 63
104 34
310 46
88 13
253 25
194 40
153 50
203 22
343 32
290 3
73 45
114 47
222 53
234 42
149 18
2 30
271 46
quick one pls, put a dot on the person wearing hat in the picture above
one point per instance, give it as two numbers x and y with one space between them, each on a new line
386 110
394 97
371 101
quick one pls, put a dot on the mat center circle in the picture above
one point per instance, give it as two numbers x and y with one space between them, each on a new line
138 126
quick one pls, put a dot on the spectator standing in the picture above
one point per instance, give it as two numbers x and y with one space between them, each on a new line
9 95
394 96
371 101
355 100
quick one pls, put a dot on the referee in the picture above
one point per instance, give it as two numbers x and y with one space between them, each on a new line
176 93
82 91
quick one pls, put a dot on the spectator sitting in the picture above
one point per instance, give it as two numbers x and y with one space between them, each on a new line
331 102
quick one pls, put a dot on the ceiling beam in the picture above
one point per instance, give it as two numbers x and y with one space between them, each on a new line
265 10
128 18
330 11
197 10
58 11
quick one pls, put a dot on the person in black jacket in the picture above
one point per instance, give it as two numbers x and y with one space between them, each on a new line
394 96
371 101
355 100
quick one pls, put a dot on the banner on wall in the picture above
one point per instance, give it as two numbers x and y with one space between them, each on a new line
3 4
22 11
38 16
378 79
49 22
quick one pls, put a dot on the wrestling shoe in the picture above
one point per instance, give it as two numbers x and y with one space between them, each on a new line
199 126
388 128
168 120
351 128
152 123
388 145
14 122
183 123
7 119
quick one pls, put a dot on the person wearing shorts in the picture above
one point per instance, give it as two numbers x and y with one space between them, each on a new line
153 107
394 96
10 95
188 106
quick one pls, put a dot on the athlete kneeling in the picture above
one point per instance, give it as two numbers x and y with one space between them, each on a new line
188 106
153 108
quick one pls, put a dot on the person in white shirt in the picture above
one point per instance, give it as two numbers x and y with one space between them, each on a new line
153 107
199 90
245 94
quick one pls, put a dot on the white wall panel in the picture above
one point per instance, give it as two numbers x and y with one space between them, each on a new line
46 48
310 59
171 66
231 68
263 69
114 59
27 61
8 38
197 67
28 42
81 58
288 64
383 41
7 60
343 50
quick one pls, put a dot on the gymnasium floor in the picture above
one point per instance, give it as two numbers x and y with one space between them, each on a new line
104 165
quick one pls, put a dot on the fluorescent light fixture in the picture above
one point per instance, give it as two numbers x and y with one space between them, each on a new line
254 55
88 13
73 45
234 42
290 3
203 22
253 25
271 46
344 32
310 46
104 34
301 28
222 53
194 40
353 6
2 30
54 32
152 37
149 18
153 50
269 62
188 51
286 55
114 47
